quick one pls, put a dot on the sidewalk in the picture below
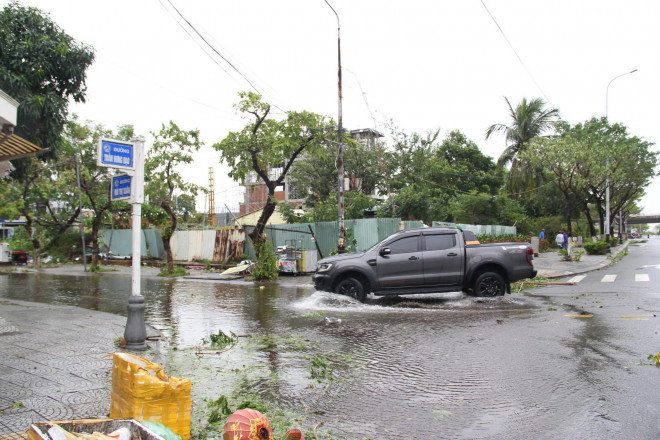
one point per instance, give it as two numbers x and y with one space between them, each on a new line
550 264
52 357
52 363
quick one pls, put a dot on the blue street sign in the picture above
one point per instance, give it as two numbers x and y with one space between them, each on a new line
120 187
116 154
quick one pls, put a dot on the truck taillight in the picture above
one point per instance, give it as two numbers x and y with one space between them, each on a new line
530 256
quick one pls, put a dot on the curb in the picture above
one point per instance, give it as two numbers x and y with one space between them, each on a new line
552 275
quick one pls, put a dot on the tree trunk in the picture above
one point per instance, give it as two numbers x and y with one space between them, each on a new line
569 230
601 216
257 234
587 214
168 254
167 236
36 243
96 225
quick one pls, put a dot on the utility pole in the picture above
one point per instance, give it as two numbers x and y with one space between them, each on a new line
341 248
607 164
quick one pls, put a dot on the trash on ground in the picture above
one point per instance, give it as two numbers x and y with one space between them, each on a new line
88 429
142 391
161 430
241 269
247 424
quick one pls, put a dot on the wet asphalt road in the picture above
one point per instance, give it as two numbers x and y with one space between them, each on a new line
446 366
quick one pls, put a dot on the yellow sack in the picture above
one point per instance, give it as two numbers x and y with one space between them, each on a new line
142 391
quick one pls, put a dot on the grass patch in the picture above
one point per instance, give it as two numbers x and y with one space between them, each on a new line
619 256
293 343
178 272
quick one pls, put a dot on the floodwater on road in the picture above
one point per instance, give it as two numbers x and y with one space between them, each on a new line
444 366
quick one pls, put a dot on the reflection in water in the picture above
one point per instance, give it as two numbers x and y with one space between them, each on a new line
441 362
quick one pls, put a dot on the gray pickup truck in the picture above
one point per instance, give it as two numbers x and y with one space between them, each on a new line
427 260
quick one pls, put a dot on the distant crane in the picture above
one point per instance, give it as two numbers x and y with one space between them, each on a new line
211 198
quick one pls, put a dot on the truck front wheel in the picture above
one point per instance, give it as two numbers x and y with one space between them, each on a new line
351 287
489 284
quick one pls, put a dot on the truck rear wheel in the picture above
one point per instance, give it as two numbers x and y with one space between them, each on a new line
351 287
489 284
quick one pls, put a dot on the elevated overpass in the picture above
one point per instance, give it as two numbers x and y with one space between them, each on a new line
643 219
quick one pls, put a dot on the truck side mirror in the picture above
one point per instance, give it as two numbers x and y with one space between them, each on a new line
385 251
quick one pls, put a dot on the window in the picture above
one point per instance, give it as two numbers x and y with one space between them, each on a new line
404 245
439 242
293 192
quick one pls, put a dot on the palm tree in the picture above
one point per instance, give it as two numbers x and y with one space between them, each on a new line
528 120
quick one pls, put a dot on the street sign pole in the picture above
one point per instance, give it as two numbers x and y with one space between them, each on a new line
136 331
129 157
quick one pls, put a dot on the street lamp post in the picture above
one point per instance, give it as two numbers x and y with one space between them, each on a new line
607 165
341 248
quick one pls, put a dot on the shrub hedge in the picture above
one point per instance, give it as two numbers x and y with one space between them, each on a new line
598 248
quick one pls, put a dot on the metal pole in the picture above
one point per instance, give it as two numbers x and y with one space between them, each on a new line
607 165
135 333
82 229
340 153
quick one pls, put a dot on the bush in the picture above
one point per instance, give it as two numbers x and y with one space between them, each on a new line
544 245
614 241
67 246
507 238
598 248
266 267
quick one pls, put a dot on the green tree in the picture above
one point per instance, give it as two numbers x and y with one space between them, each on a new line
45 204
486 209
528 120
562 157
632 165
316 175
43 68
431 174
172 147
355 203
265 143
577 162
184 207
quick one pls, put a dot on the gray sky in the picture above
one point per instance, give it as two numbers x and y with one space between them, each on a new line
423 64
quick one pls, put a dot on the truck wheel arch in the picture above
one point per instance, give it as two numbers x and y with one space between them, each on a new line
352 287
358 276
489 283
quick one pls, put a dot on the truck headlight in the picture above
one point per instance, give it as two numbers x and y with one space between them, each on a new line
323 267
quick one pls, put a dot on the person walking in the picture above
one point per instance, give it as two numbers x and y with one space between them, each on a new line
565 234
560 239
542 234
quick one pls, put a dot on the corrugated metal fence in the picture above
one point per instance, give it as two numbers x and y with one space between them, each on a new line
227 244
223 244
119 242
481 229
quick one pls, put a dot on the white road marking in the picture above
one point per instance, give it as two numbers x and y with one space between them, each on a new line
642 277
576 279
608 279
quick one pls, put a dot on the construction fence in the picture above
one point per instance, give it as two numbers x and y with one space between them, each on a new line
231 244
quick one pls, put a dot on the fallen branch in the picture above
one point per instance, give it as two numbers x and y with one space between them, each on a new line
318 425
546 283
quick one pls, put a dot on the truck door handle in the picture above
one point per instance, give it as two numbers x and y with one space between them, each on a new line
452 254
413 258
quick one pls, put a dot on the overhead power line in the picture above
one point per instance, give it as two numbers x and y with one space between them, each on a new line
516 52
212 48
